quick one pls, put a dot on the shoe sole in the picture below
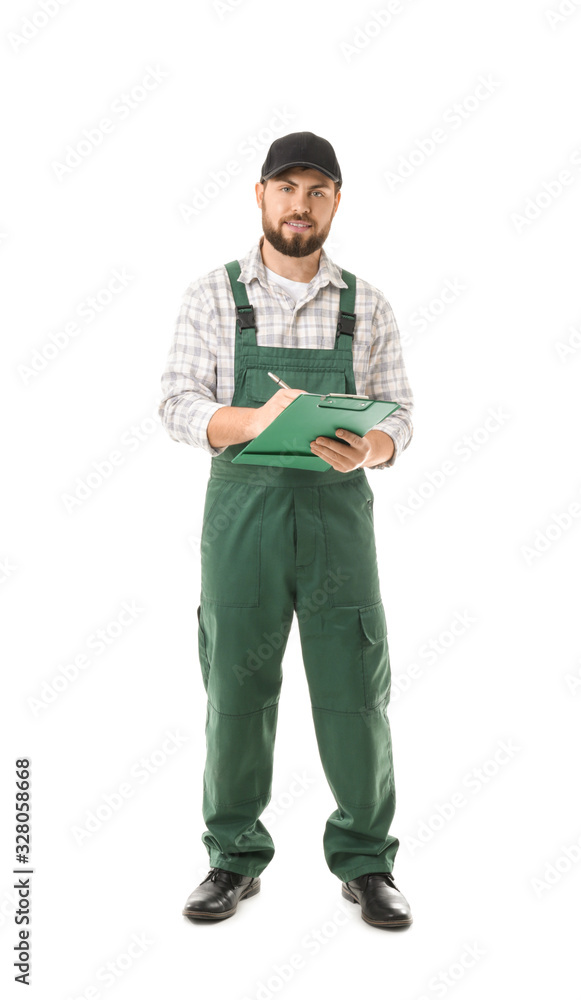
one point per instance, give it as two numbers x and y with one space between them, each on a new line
378 923
200 914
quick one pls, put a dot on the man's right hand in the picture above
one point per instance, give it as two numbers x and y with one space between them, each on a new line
265 414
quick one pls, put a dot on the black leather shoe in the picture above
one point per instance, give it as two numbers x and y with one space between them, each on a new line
218 895
381 901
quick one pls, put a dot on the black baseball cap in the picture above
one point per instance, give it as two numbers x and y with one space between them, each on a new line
301 149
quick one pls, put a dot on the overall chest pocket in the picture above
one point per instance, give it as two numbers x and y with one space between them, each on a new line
259 387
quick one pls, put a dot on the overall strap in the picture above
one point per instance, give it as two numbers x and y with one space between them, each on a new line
347 317
245 320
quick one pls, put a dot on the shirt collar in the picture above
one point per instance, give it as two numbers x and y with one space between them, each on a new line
252 266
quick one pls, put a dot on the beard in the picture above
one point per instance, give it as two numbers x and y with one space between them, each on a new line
294 245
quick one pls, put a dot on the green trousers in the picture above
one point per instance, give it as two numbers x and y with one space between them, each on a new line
268 552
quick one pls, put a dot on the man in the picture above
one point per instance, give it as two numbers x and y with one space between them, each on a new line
278 541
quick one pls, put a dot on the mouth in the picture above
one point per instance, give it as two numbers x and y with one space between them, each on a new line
298 227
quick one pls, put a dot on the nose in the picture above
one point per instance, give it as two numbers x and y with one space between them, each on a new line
300 204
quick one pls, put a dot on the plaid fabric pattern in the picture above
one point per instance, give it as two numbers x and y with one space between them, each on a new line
199 373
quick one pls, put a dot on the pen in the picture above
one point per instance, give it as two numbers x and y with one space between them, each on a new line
279 380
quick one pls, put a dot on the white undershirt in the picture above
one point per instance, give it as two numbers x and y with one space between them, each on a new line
294 288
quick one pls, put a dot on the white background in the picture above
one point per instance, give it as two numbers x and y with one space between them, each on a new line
483 841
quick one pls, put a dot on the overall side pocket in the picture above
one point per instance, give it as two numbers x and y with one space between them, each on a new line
202 651
365 489
230 545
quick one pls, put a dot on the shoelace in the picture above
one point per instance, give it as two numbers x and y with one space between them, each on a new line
214 873
385 876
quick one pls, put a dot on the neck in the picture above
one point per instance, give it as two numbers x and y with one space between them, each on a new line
295 268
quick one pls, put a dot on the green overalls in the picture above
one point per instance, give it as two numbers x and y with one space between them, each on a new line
276 541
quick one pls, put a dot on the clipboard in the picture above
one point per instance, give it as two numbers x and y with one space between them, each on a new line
286 441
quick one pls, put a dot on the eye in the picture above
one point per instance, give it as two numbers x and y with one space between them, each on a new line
286 187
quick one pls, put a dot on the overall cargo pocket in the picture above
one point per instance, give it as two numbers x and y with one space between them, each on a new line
375 654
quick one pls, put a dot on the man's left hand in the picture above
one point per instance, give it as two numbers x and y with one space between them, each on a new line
343 456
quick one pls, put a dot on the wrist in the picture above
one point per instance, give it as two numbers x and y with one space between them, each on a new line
252 428
382 448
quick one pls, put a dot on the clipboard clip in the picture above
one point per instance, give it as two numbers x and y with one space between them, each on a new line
344 403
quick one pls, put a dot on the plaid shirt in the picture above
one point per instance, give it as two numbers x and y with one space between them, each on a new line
199 374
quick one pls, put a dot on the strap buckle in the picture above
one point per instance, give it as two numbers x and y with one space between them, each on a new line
246 319
346 324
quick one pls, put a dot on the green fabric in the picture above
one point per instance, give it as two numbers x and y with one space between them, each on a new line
278 542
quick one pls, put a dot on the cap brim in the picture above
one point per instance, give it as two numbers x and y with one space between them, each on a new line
300 163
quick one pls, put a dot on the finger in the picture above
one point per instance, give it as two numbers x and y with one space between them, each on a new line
293 393
348 436
337 447
287 396
339 460
340 447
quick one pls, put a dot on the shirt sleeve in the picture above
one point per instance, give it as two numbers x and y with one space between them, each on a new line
387 379
188 383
